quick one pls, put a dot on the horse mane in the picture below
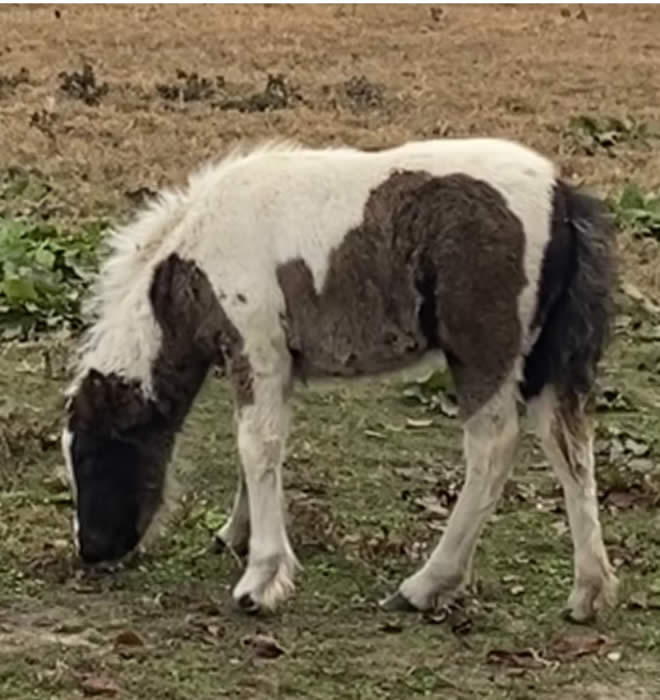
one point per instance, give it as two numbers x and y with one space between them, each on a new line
132 249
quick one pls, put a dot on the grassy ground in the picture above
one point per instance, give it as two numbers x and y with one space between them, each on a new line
368 489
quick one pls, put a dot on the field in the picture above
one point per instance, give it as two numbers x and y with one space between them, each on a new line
99 106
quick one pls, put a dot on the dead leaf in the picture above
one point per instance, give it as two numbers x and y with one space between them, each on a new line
98 685
574 646
524 658
264 646
129 638
622 499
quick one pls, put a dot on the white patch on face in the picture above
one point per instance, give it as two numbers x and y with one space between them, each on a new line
67 441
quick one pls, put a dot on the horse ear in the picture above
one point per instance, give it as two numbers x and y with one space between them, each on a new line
130 408
106 404
90 406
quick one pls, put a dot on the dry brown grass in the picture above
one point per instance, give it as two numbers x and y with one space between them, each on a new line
515 71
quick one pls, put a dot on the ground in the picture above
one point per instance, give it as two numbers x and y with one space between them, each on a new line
101 105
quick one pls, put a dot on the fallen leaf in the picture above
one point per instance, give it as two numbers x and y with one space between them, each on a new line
622 499
129 638
98 685
524 658
574 646
264 646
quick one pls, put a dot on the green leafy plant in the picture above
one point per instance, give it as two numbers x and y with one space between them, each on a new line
434 392
591 133
43 275
638 212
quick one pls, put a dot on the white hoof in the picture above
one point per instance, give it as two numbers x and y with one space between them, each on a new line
265 584
587 599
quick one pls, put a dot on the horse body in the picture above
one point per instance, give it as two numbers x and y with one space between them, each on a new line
288 263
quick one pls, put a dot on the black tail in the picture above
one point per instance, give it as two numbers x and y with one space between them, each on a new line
576 297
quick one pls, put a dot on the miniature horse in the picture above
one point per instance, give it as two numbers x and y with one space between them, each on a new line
286 263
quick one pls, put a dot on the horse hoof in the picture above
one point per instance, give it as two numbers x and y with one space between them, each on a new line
247 604
397 602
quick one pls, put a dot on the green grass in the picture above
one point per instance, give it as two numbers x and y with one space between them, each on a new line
366 488
354 474
638 212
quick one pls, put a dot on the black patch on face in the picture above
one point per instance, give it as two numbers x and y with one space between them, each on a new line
123 441
120 445
113 510
436 262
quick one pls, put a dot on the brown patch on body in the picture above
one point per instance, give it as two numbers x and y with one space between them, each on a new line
436 263
196 332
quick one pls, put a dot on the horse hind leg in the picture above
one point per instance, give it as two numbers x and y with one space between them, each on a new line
490 439
566 436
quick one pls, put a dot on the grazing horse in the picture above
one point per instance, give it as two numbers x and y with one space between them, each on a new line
285 262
